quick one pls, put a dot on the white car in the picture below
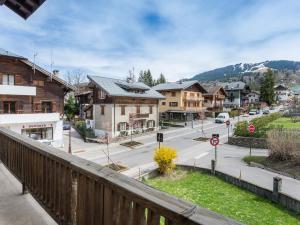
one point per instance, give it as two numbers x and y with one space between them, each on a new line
222 118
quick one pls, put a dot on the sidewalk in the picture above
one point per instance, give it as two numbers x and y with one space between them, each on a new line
230 162
18 209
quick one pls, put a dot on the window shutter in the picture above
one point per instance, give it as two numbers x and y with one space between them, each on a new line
18 79
1 78
127 126
54 108
118 127
153 123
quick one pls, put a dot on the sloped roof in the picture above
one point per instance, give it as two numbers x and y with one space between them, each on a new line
24 8
120 88
6 53
176 85
22 59
213 89
239 85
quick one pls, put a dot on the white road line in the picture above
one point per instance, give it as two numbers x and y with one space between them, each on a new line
201 155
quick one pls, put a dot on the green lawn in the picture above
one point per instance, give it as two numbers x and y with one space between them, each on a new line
257 159
285 122
217 195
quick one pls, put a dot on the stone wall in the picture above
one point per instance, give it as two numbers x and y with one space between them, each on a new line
246 141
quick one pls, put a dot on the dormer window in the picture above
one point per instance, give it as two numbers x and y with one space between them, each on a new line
8 79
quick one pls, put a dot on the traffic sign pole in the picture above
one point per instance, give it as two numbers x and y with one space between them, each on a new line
251 129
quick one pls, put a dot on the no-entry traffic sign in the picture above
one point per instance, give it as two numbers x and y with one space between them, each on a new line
251 128
214 141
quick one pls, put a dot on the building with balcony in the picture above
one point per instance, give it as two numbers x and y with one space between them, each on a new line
236 92
120 107
31 99
214 98
184 100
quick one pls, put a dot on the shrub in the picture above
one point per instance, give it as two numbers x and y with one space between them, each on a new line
164 157
83 131
283 145
261 126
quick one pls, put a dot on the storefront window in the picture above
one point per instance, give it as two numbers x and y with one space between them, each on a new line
39 133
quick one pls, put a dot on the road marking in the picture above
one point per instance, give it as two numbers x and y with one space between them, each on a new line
201 155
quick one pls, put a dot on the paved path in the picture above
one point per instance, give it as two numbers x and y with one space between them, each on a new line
18 209
230 162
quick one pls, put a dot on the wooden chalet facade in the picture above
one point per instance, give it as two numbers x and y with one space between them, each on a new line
214 98
31 99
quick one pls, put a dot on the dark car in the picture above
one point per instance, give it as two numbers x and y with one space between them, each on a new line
266 111
66 126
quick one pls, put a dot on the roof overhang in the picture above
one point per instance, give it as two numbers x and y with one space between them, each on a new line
23 8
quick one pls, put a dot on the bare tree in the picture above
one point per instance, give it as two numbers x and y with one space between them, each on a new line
75 77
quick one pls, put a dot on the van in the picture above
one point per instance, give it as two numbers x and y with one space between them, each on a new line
222 118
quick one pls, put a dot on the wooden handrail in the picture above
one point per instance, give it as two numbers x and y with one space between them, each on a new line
76 191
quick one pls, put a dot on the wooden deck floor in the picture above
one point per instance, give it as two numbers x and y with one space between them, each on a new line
18 209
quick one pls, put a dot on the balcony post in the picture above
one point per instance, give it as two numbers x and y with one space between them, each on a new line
73 199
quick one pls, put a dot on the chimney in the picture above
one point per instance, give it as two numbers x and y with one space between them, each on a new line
56 73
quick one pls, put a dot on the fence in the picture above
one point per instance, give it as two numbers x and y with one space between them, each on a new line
77 191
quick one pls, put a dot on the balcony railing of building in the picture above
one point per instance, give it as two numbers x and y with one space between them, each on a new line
16 107
77 191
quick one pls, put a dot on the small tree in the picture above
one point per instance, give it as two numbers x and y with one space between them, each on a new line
71 108
161 79
164 157
267 88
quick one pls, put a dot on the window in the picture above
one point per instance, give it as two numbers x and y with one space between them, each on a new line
8 79
101 94
39 133
46 107
138 109
150 109
198 95
173 93
123 126
192 94
9 107
150 123
39 83
102 109
173 104
163 103
122 110
185 94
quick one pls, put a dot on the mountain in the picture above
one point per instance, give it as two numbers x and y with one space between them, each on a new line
246 69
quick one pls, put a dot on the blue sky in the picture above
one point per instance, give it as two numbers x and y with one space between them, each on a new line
179 38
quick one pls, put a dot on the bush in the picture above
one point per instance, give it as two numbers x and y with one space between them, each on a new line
282 144
164 157
83 131
261 126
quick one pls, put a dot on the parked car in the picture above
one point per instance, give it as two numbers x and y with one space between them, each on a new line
66 126
266 111
254 112
222 118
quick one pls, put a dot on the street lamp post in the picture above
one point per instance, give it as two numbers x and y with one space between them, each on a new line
70 147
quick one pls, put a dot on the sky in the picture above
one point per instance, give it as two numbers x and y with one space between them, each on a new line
179 38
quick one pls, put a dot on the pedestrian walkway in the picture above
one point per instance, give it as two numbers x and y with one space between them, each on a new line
230 162
18 209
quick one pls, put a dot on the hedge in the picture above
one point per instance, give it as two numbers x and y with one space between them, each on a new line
261 126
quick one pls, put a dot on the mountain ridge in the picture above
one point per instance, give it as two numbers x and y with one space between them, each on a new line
246 68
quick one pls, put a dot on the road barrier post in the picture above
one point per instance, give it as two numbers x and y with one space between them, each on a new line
213 166
277 182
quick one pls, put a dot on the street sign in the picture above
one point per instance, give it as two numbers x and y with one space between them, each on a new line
215 135
160 137
214 141
251 128
228 122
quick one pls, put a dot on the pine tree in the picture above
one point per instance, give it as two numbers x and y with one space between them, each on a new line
148 79
161 79
267 93
141 76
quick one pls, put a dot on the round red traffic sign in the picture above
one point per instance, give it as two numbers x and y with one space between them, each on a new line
251 128
228 122
214 141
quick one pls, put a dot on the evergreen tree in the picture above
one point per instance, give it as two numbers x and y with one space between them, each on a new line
267 93
141 76
148 79
161 79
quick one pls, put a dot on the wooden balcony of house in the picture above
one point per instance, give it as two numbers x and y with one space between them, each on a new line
76 191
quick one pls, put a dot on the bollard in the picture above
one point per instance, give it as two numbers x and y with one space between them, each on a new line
277 182
24 189
213 166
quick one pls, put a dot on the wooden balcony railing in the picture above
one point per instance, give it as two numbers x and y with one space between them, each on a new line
77 191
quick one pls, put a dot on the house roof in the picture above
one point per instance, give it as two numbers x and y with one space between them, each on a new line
213 89
176 85
121 88
24 8
281 87
24 60
239 85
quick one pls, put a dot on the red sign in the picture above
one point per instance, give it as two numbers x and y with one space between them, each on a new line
251 128
227 122
214 141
